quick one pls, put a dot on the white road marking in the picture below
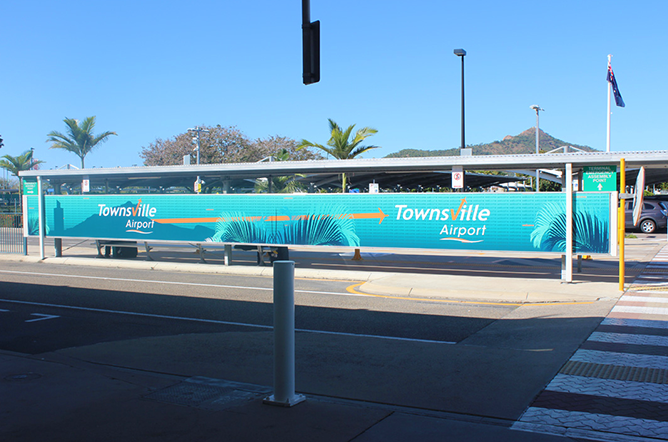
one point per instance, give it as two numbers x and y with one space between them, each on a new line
214 321
626 338
643 323
43 317
650 299
189 284
641 310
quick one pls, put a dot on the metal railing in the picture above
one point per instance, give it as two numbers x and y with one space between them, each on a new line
11 233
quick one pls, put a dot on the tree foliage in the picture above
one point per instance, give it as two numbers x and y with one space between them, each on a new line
341 146
219 145
6 183
286 149
17 164
279 184
79 138
549 186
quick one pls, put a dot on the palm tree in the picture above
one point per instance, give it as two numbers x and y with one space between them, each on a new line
279 184
79 139
341 146
16 164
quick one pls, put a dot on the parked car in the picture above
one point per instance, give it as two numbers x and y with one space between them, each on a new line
654 216
658 197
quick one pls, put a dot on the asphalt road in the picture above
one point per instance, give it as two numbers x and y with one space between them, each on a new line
484 360
45 308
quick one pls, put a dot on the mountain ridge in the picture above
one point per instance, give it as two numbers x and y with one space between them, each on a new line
523 143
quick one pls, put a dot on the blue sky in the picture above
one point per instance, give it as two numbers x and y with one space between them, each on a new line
152 69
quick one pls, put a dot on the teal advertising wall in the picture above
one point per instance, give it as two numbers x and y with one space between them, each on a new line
471 221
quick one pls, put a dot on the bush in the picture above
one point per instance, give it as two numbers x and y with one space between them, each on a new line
10 220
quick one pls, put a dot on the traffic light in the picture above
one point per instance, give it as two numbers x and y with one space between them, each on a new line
311 52
1 143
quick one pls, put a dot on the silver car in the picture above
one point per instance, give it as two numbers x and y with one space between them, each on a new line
654 216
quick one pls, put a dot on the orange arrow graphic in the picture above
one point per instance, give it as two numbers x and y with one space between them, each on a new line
276 218
380 215
185 220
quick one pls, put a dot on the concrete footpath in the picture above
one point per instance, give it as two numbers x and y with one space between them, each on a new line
509 277
172 388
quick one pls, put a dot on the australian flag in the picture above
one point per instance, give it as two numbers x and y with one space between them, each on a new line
615 90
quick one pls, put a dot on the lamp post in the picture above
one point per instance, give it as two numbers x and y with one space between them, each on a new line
537 109
196 141
462 53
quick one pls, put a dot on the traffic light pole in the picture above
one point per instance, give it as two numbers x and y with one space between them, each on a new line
310 45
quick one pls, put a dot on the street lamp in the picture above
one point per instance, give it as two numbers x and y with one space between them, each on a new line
537 109
196 142
462 53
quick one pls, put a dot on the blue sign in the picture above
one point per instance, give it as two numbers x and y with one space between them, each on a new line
464 221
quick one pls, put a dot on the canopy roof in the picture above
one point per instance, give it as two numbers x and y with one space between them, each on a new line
388 172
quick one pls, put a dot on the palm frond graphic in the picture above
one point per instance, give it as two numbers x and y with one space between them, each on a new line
590 234
237 227
33 225
333 226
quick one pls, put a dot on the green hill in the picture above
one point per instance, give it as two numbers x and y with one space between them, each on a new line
524 143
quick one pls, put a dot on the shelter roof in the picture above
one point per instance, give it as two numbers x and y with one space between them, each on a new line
383 168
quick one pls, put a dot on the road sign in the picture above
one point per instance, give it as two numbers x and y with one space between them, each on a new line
457 177
29 187
599 178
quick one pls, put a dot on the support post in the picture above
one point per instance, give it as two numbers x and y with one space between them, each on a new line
284 337
463 125
59 219
622 222
24 211
40 208
607 138
282 253
228 254
568 274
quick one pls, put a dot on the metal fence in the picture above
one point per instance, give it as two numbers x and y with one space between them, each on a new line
11 233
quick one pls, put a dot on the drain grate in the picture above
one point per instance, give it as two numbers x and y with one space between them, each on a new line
653 288
208 394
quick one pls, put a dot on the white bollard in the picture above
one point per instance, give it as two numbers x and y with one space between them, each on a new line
228 254
284 336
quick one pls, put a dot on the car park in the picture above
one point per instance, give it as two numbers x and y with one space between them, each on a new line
654 215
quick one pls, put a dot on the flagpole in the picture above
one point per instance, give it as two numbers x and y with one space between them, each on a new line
607 144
